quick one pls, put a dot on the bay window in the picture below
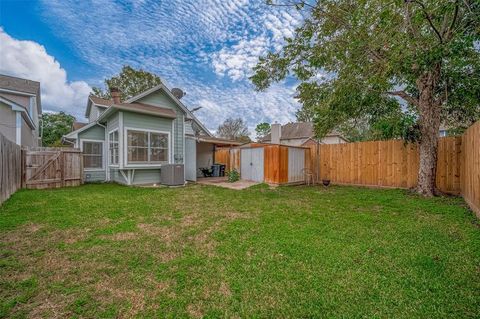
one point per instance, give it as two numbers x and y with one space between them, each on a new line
147 147
92 154
113 147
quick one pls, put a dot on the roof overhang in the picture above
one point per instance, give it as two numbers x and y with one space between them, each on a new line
218 141
74 134
154 111
18 108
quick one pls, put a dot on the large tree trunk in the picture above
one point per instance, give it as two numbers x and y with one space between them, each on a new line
429 126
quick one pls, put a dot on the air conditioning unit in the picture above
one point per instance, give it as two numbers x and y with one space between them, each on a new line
172 175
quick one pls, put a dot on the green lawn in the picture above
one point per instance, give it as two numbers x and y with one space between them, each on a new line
112 251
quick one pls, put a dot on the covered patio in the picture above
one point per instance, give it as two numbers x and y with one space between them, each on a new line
200 154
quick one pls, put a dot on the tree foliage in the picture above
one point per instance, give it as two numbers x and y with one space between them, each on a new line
261 130
234 129
130 82
382 57
54 126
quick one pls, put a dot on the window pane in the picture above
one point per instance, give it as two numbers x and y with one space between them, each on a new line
92 161
87 148
96 148
92 154
137 138
137 154
158 155
158 140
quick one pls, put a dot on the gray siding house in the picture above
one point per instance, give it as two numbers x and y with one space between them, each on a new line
128 142
20 110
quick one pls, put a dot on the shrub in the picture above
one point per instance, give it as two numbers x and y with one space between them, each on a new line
233 176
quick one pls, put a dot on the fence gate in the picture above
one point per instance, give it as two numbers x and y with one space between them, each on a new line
251 166
52 167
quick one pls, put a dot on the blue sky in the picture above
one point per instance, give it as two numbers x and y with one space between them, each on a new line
205 47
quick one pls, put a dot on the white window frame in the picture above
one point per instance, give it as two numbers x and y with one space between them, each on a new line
154 165
119 151
103 154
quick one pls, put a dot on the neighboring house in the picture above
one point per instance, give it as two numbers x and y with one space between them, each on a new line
129 142
20 110
299 134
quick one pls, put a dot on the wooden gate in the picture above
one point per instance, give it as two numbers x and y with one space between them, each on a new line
45 167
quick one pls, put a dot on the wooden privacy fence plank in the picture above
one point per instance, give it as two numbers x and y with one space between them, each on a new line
470 172
10 168
389 163
53 167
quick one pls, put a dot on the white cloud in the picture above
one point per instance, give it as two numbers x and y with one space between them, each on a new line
30 60
199 46
237 61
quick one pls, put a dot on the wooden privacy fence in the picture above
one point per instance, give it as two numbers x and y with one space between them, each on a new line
389 163
10 168
470 172
46 167
37 167
228 156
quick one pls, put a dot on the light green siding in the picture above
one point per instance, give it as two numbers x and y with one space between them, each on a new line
147 122
146 176
112 122
179 139
159 98
116 176
95 132
140 177
94 176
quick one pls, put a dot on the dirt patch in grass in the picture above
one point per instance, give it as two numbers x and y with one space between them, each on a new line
121 236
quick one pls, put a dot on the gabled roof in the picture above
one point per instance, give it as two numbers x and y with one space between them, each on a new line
162 87
13 84
295 130
19 108
74 134
139 108
78 125
97 101
19 85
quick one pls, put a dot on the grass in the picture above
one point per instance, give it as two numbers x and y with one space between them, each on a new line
109 251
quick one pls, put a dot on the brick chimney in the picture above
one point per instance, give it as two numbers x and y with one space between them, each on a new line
276 133
115 93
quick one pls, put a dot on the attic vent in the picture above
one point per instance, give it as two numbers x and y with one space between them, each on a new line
178 93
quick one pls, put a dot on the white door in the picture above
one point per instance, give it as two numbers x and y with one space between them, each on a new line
190 159
251 164
296 164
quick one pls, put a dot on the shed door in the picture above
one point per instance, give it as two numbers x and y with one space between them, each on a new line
296 163
190 159
251 166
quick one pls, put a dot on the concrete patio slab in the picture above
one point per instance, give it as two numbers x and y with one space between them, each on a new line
223 182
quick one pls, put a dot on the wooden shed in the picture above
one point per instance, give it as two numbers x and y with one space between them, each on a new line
269 163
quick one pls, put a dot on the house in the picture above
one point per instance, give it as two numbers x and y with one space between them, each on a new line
20 110
299 134
130 141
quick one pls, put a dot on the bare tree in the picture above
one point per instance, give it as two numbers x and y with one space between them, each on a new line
234 129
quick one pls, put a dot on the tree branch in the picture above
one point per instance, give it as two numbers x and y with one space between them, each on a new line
404 96
429 19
